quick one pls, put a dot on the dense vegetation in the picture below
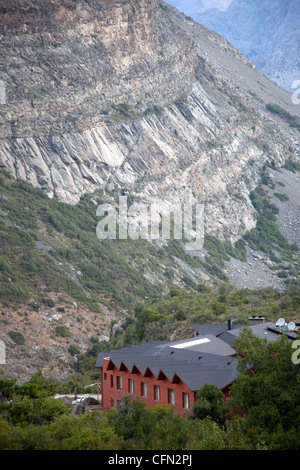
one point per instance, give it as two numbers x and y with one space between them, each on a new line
265 408
159 319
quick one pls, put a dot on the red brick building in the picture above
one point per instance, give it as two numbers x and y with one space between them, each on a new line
172 373
168 374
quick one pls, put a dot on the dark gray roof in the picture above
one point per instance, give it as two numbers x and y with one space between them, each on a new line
195 378
193 367
202 359
211 344
133 351
213 328
267 330
228 337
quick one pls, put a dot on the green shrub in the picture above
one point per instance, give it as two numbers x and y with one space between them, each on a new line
294 121
63 331
17 337
266 236
282 197
292 165
73 350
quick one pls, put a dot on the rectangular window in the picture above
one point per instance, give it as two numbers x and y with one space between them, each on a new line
119 383
131 386
111 381
156 393
171 396
185 400
144 389
105 375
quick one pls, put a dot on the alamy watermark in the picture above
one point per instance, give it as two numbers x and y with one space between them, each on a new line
2 92
296 94
296 354
2 352
153 221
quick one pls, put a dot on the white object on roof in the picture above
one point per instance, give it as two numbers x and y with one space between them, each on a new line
188 344
291 326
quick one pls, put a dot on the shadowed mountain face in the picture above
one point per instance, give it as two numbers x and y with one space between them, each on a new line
267 32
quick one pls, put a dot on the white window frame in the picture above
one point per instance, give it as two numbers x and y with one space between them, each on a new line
119 382
185 400
171 396
144 389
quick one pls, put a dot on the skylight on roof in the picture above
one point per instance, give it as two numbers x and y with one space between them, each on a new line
188 344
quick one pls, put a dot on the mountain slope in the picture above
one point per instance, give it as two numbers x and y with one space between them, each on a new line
267 32
117 98
62 290
59 285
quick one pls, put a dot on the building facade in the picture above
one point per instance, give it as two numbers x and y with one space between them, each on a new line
119 382
168 374
172 373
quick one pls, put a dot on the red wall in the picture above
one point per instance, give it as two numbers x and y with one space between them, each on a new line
111 395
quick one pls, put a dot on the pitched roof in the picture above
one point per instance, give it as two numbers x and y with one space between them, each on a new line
213 328
267 330
206 358
193 366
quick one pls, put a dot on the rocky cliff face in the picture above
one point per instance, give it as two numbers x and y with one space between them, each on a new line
68 63
112 94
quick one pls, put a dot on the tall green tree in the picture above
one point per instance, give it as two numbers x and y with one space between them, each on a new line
210 403
267 391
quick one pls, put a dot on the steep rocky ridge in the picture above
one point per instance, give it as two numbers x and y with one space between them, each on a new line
79 58
137 96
